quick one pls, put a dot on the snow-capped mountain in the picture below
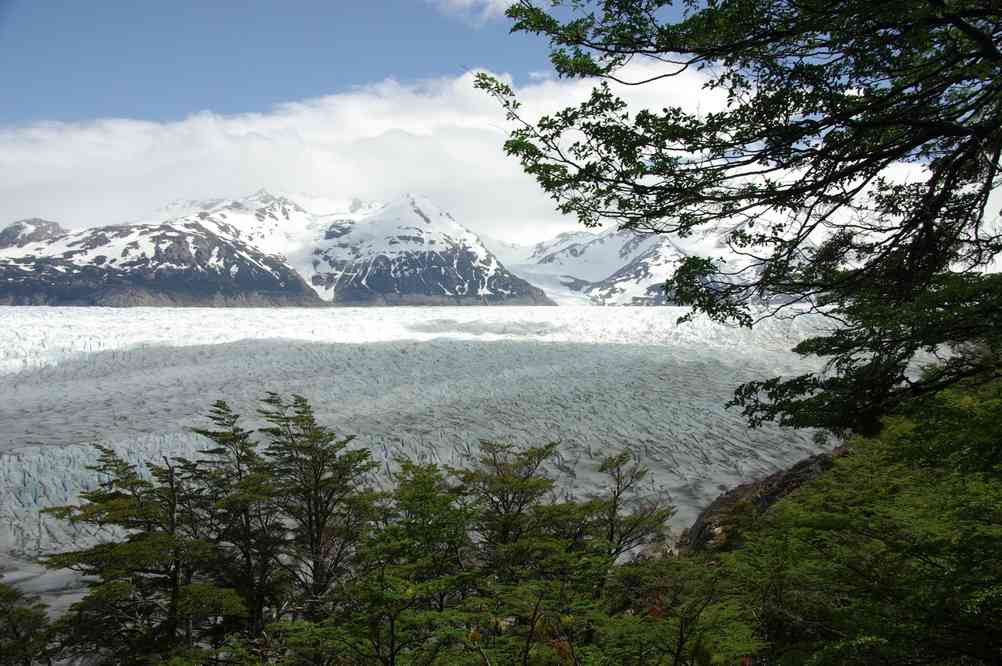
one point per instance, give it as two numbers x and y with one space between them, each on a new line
608 268
189 261
263 249
561 246
411 251
590 256
651 260
274 224
507 252
270 248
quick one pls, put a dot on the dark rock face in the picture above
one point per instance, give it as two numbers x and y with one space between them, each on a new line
24 232
175 264
718 527
454 276
338 228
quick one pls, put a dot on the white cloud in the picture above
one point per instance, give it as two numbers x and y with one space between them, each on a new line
482 10
439 137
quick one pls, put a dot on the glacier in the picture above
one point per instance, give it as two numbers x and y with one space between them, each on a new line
424 383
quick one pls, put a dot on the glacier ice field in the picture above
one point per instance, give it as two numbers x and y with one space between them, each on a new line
425 383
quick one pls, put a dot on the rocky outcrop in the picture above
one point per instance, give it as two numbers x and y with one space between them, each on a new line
448 277
718 527
25 232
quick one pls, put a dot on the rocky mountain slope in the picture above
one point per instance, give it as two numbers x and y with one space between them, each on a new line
189 261
261 250
412 252
293 249
25 232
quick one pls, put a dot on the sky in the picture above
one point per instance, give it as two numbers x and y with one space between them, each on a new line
69 60
113 108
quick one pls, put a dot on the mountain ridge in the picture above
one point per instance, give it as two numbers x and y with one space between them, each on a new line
264 249
303 249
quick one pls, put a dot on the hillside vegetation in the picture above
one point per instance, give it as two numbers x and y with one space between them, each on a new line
274 547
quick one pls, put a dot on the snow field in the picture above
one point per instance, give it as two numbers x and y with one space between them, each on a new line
34 337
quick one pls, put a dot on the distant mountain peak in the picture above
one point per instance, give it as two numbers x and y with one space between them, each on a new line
31 230
264 198
412 251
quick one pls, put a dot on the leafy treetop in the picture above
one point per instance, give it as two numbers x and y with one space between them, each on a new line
827 104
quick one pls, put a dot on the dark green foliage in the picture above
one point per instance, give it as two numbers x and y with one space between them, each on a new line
884 560
677 610
824 100
150 597
319 485
403 603
891 557
230 543
273 546
239 510
483 565
959 428
24 630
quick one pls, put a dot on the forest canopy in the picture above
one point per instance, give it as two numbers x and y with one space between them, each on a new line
276 546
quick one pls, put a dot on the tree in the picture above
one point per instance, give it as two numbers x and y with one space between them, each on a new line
272 546
150 596
237 506
506 486
678 611
626 518
25 639
403 604
891 557
544 560
825 100
321 488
